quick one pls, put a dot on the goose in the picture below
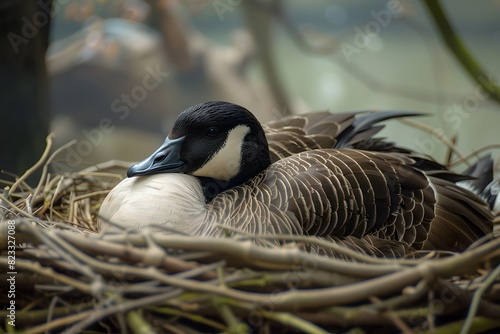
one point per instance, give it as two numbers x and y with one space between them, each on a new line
216 172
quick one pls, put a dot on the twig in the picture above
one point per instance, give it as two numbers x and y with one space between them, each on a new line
430 315
344 317
37 165
437 134
138 324
46 167
28 206
35 267
394 318
477 298
313 240
15 177
123 306
458 49
88 195
106 166
234 326
15 208
294 321
473 154
479 325
189 315
26 316
122 323
60 322
403 299
173 328
52 305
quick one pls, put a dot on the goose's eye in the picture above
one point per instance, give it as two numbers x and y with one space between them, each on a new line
212 132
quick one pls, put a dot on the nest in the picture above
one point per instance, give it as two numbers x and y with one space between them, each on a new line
64 277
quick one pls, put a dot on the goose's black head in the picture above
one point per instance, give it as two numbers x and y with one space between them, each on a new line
221 143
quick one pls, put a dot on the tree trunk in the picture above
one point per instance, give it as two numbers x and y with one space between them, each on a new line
24 110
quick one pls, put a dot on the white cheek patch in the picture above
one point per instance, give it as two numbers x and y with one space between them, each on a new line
225 163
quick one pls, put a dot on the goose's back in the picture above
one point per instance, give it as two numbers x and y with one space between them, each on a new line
374 202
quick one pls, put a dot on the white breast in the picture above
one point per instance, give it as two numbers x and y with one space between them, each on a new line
160 201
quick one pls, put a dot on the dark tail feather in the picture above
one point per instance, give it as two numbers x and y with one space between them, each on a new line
363 128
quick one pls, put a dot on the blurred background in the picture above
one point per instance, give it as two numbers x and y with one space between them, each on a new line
115 74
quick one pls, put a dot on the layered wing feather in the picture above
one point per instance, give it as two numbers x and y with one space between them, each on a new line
295 134
335 193
461 217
